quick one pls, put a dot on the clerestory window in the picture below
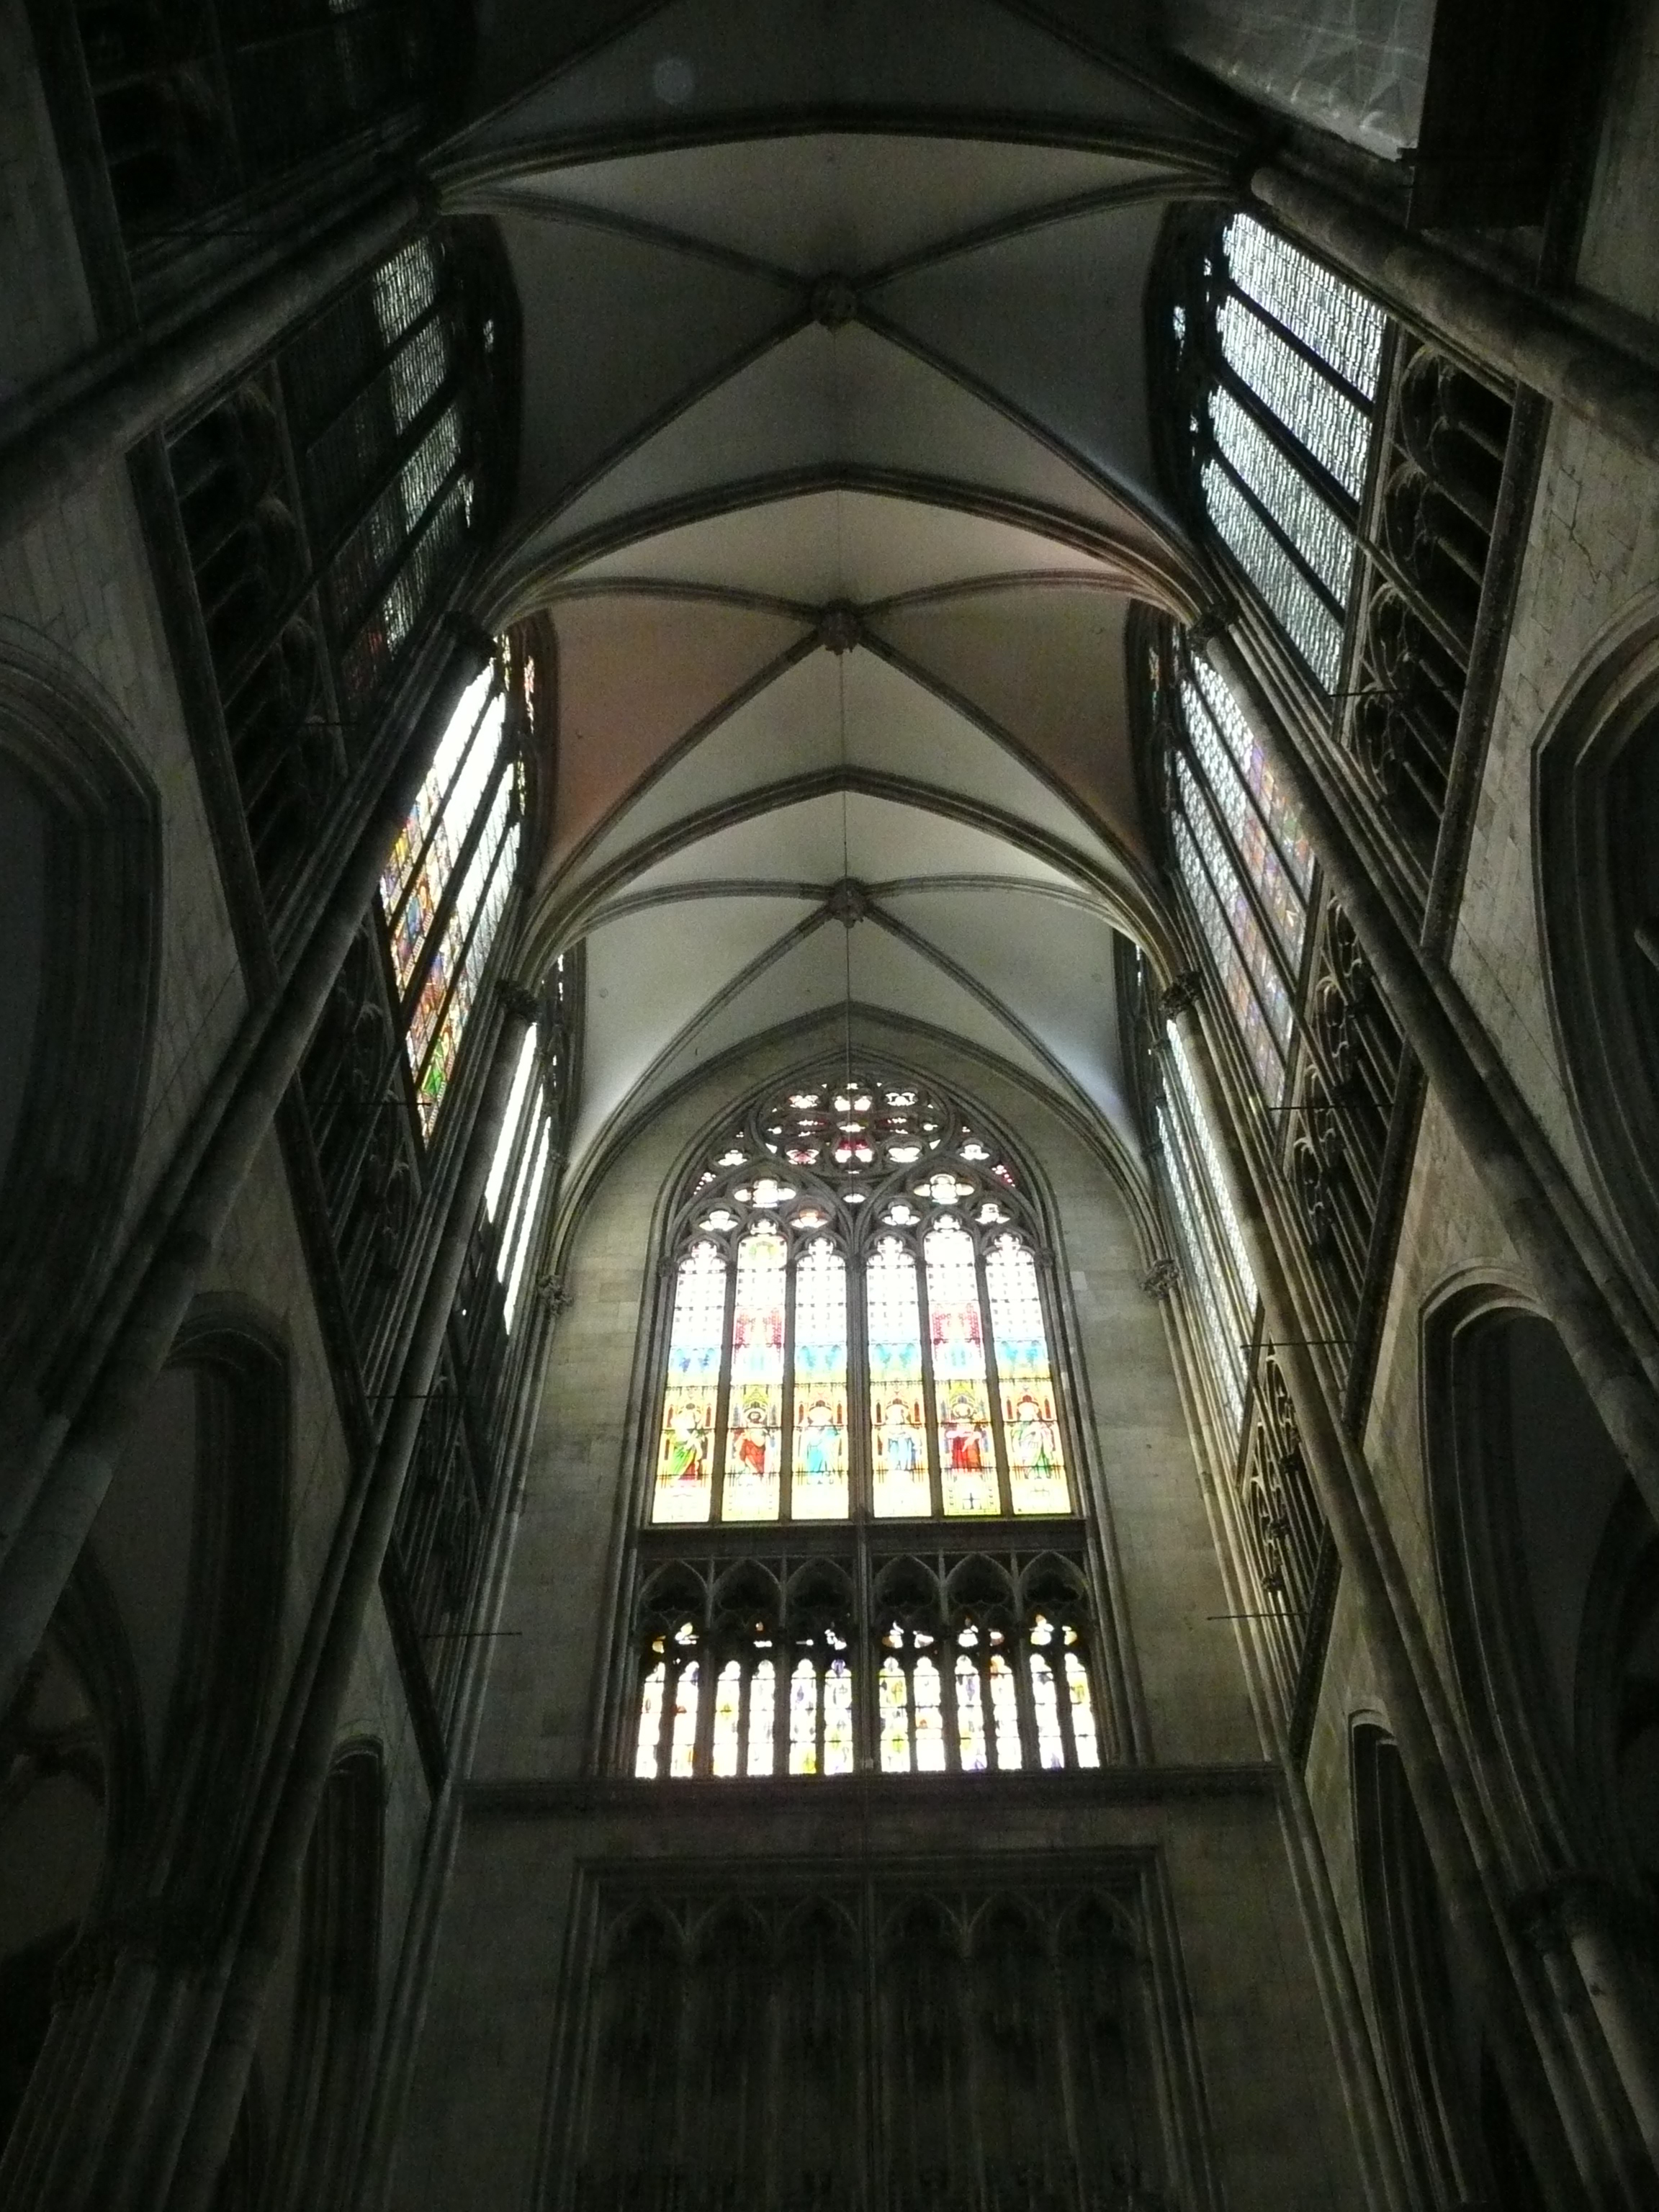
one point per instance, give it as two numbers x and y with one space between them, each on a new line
861 1414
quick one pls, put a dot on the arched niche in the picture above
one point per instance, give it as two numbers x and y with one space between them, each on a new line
131 1756
1596 798
1452 2122
1549 1569
80 895
330 1981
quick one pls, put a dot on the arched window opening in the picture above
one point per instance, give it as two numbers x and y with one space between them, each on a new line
854 1229
1317 1040
861 1333
195 104
326 504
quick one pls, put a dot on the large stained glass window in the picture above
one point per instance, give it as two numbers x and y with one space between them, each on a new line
447 882
863 1419
849 1226
1242 857
1283 358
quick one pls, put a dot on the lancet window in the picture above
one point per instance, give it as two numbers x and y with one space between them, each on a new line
859 1321
447 879
906 1664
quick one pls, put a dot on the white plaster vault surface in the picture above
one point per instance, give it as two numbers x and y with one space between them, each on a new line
839 309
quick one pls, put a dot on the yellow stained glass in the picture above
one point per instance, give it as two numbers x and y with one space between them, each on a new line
967 1456
755 1408
684 1484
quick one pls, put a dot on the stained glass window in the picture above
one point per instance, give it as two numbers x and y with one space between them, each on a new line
1245 864
1289 355
865 1225
845 1235
684 1487
754 1440
818 1460
901 1484
446 885
1215 1259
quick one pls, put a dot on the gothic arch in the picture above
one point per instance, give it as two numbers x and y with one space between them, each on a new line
80 841
338 1992
1595 790
1546 1559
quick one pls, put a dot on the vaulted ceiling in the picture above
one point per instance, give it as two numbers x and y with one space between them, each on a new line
837 488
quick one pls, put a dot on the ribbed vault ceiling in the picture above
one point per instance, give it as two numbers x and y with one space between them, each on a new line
835 486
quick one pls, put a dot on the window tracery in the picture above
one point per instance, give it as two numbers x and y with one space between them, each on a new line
858 1244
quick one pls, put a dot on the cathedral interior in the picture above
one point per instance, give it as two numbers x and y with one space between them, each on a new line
829 1106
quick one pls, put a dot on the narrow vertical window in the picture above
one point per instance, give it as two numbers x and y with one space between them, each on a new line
1290 356
1004 1711
967 1456
1084 1736
804 1718
898 1436
838 1718
894 1715
754 1415
1036 1464
970 1710
685 1448
728 1705
648 1743
763 1718
817 1481
682 1745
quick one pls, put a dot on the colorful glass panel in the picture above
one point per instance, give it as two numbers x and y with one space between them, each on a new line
1221 709
898 1437
1005 1713
763 1718
466 741
817 1466
1030 1428
929 1717
962 1398
685 1484
650 1735
803 1719
755 1407
893 1717
838 1718
970 1711
683 1746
